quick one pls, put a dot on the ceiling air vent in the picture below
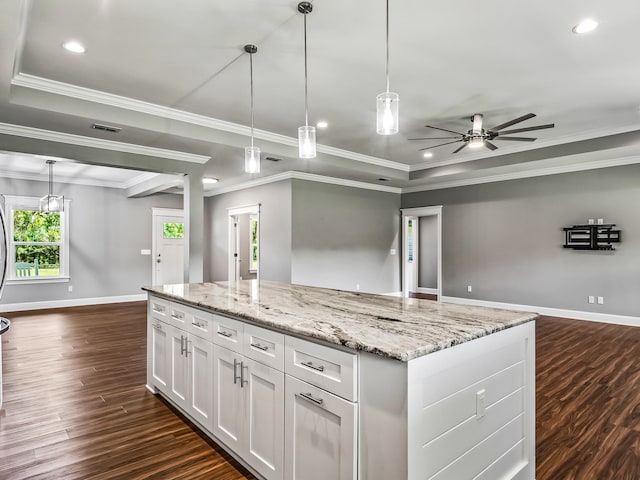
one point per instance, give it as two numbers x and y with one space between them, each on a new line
272 159
106 128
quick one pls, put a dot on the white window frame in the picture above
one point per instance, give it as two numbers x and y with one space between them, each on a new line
15 202
254 218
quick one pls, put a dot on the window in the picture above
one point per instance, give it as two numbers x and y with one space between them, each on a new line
38 242
173 230
253 243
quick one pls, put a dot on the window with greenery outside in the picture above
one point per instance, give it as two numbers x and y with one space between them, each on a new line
36 236
253 258
173 230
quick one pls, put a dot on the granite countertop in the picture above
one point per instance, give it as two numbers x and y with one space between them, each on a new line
394 327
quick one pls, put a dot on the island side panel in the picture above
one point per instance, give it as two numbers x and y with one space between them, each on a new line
471 409
382 418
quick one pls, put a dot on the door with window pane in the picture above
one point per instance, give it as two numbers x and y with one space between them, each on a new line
169 260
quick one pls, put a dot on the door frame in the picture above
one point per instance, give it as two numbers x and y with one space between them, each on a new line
232 213
409 269
155 213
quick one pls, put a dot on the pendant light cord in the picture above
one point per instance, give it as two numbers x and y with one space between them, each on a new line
387 41
50 162
306 101
251 73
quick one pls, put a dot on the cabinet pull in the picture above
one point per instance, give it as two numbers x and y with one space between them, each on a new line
157 326
158 309
319 368
176 316
225 334
198 324
235 365
242 380
186 347
311 398
182 349
260 347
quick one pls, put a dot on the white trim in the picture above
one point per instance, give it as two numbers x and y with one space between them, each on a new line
157 212
60 137
553 312
431 291
75 302
59 88
311 177
234 239
393 294
254 208
37 280
167 212
577 167
37 177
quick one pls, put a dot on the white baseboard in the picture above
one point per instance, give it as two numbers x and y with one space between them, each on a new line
73 302
553 312
393 294
432 291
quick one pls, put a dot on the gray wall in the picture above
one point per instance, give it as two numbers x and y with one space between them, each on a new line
342 236
505 239
107 232
275 230
428 252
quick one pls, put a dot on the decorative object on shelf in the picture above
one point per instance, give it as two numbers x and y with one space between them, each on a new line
387 103
51 202
251 154
307 133
591 237
478 136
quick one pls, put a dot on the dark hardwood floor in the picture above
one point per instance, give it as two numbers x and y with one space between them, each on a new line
76 406
423 296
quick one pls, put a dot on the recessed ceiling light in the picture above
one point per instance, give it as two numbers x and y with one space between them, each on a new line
322 124
209 180
427 154
585 26
73 46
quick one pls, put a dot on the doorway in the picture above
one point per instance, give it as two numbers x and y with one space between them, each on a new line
422 252
244 243
167 246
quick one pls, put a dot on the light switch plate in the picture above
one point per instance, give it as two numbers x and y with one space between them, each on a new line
600 300
592 299
145 251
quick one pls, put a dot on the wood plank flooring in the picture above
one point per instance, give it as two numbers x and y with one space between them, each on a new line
76 406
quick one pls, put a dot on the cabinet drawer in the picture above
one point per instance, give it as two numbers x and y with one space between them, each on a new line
228 333
178 315
324 367
200 324
158 308
264 346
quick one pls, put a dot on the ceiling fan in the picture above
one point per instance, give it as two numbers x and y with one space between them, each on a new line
478 136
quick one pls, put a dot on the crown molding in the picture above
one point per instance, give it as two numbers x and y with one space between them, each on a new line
81 93
577 167
60 137
37 177
578 137
291 175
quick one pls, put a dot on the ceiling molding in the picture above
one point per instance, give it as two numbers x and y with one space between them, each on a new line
60 137
578 137
302 176
577 167
37 177
81 93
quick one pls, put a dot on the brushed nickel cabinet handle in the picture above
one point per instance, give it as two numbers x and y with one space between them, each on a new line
319 368
225 334
235 376
260 347
311 398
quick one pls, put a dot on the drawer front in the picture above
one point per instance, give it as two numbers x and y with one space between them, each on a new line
178 315
324 367
158 308
200 324
264 346
228 333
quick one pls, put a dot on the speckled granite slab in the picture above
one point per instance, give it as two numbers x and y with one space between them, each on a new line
395 327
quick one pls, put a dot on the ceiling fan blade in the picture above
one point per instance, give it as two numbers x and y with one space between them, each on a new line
517 139
444 129
431 138
434 146
490 145
460 148
528 129
513 122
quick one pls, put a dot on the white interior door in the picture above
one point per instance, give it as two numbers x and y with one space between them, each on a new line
244 244
168 251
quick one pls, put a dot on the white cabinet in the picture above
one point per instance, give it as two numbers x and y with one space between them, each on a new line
249 409
157 354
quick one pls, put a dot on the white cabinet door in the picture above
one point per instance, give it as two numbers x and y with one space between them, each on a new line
264 419
178 367
158 355
227 397
320 434
200 355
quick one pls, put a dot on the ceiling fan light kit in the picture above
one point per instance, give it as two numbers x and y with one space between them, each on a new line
251 154
387 103
306 133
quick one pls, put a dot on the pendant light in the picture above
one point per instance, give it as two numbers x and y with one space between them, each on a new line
51 202
251 154
306 134
387 102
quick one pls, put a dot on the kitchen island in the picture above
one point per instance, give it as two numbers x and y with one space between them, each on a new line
303 383
4 326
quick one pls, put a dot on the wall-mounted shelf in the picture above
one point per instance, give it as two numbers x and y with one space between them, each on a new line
591 237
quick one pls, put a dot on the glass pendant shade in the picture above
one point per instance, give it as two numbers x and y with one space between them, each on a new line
476 142
252 159
307 142
52 203
387 113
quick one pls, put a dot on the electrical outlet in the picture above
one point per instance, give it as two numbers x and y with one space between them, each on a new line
600 300
357 286
469 288
70 288
591 221
392 251
601 221
592 299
